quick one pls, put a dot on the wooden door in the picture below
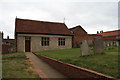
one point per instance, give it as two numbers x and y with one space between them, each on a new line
27 44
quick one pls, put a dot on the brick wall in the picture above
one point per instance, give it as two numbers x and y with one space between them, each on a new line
5 49
8 46
80 34
8 49
72 71
91 37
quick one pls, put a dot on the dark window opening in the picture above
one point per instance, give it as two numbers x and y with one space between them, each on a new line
45 41
61 41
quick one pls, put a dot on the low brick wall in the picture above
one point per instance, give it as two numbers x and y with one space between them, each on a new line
5 49
73 71
8 49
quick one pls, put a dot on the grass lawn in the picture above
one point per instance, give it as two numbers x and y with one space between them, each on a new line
19 67
14 55
106 63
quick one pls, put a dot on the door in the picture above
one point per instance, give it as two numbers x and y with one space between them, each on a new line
27 44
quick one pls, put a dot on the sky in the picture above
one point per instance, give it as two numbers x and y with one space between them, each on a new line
92 15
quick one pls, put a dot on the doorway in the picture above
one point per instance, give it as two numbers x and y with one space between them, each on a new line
27 44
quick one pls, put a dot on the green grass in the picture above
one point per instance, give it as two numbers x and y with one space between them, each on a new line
65 53
112 49
14 55
106 63
18 67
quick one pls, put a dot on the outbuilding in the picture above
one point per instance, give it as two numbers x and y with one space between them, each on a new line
33 35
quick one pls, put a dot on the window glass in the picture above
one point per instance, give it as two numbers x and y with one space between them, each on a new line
45 41
61 41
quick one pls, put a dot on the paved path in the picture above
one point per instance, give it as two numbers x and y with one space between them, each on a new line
44 70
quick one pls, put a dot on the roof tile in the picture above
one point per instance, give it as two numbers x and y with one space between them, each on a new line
33 26
110 33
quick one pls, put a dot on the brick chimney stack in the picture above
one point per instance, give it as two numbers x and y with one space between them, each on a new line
97 32
7 37
102 31
2 35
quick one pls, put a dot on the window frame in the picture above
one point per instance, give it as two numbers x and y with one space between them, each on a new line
61 41
45 41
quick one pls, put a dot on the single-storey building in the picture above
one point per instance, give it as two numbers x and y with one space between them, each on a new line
33 35
111 38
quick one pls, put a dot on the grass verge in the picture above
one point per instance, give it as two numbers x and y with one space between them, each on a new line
18 67
14 55
105 63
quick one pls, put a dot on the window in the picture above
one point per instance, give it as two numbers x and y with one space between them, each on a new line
61 41
118 36
45 41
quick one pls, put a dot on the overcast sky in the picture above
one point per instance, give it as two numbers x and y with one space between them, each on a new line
93 16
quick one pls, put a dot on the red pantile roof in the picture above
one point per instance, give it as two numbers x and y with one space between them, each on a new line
111 38
33 26
94 35
76 27
110 33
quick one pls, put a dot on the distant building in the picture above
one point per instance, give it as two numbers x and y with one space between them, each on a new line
111 38
32 35
80 34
